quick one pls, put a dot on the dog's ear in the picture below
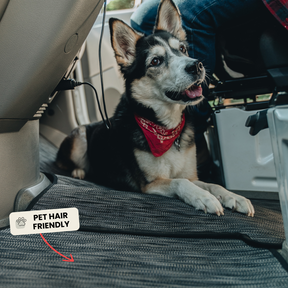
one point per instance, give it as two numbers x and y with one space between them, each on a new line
169 19
123 40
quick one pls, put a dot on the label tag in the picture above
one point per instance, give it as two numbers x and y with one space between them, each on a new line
44 221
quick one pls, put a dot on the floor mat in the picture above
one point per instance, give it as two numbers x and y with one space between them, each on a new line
135 240
110 211
117 260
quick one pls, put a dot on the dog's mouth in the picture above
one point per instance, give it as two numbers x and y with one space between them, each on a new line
192 93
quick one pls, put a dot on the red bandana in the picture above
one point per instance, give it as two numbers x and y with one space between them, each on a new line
158 137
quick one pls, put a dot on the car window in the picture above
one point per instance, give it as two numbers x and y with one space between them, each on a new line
120 4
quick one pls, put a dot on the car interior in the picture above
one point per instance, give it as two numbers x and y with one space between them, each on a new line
128 239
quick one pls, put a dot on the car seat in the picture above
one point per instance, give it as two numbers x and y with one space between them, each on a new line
39 45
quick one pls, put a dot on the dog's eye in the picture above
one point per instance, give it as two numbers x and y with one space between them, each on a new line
183 49
155 62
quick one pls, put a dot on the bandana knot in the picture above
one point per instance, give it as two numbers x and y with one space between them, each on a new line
158 137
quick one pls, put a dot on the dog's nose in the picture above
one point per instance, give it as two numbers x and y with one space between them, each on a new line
194 68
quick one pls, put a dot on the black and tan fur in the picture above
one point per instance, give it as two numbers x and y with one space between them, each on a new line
157 72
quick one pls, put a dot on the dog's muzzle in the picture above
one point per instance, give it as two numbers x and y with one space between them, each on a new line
194 91
195 68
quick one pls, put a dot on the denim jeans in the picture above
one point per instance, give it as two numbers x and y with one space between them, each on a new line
201 19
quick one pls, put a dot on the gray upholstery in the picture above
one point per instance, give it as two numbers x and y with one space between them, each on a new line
3 5
39 40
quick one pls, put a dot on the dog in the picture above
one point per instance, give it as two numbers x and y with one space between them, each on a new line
150 146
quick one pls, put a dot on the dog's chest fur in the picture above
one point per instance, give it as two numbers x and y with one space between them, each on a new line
172 164
125 152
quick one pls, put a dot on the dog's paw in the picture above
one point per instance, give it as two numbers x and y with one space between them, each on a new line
238 203
78 173
209 204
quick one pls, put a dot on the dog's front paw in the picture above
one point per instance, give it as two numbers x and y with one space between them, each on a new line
196 196
238 203
209 204
78 173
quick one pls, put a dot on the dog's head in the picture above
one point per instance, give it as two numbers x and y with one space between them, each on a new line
157 67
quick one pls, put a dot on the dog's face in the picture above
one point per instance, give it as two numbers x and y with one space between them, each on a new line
157 67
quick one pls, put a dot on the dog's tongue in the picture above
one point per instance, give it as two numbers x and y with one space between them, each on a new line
193 92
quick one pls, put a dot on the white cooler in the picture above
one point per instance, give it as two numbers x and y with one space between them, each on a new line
246 162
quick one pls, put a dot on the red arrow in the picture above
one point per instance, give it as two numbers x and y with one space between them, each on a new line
67 259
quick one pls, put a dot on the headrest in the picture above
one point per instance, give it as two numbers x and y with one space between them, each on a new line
273 47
